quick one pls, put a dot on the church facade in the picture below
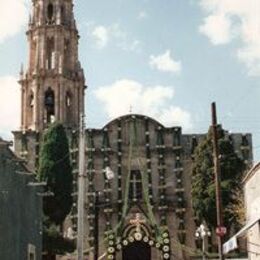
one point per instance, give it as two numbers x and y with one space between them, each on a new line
144 204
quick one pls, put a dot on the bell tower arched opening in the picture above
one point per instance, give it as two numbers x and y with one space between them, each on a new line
50 13
30 108
62 14
49 102
67 54
50 53
69 108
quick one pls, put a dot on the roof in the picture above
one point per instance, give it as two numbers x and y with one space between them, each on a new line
129 116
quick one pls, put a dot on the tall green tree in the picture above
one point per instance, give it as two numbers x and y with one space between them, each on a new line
203 185
55 169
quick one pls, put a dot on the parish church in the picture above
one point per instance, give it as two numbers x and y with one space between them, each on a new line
146 206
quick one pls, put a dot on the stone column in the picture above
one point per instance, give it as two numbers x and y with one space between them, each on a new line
36 106
22 107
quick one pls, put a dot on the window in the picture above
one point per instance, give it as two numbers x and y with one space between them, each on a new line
69 113
50 53
30 110
135 191
244 141
31 101
50 12
62 14
68 99
67 53
177 137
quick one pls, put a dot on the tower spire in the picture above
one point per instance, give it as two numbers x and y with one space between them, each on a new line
54 78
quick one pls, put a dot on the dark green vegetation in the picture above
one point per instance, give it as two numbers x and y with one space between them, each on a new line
55 169
203 186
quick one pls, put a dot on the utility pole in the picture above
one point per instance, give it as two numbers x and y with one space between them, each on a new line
217 181
81 189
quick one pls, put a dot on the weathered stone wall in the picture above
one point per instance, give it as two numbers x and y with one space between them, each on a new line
20 209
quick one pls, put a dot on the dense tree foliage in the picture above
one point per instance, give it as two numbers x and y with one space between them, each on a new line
203 185
53 240
55 169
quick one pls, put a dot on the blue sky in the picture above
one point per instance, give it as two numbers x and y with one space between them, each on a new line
165 58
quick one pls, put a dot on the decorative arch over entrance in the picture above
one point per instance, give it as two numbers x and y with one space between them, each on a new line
136 241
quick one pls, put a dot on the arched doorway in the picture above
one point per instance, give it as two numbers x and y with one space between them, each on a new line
137 250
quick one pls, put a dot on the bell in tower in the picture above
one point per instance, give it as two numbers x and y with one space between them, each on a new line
49 102
52 87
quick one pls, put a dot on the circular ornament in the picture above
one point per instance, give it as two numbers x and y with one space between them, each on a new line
146 239
166 241
111 250
151 243
131 239
166 248
165 234
111 242
157 245
138 236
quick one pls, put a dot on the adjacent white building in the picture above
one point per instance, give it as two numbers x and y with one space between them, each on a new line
252 204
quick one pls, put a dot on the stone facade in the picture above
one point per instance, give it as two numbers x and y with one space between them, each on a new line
21 209
149 198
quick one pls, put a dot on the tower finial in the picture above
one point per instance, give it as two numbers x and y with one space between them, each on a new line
21 71
30 19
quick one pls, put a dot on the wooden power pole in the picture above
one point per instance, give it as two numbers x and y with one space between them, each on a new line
220 229
81 190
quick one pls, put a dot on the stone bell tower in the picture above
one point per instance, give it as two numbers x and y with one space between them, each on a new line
52 87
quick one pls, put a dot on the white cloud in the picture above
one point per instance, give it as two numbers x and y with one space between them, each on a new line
104 35
125 95
142 15
14 15
165 62
9 105
227 20
100 33
217 28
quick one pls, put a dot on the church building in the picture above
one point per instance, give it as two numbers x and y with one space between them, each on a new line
138 189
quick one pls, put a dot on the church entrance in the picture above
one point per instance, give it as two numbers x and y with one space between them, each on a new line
138 250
